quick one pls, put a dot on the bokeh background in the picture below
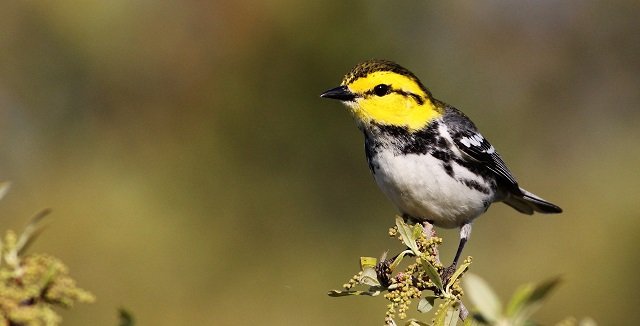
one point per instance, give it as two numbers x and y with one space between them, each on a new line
196 178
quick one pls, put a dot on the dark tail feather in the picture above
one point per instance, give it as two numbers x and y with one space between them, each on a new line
527 203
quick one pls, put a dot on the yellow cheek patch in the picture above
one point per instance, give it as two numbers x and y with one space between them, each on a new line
394 108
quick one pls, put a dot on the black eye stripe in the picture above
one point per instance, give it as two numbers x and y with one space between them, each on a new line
416 97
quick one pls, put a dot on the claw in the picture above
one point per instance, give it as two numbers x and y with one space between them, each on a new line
447 272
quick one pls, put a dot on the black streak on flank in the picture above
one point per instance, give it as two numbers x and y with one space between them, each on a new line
448 168
371 149
475 185
442 155
476 168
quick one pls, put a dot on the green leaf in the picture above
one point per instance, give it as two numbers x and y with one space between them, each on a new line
406 233
417 231
470 321
432 272
451 319
483 298
426 303
543 289
31 232
463 268
518 299
528 299
442 316
399 259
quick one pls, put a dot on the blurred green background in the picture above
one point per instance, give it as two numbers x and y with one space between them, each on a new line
196 177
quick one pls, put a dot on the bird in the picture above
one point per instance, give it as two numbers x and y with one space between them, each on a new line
426 156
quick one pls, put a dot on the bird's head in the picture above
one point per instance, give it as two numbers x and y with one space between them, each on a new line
383 92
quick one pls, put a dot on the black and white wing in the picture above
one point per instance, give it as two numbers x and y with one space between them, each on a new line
474 145
470 142
477 149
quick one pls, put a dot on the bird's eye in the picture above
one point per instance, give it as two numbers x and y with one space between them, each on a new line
381 90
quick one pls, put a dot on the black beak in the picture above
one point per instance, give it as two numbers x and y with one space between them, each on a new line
341 93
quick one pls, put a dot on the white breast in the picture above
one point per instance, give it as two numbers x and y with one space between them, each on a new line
419 186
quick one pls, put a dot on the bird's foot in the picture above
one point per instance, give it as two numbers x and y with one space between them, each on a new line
447 272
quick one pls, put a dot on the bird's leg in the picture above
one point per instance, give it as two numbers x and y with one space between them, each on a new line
465 232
